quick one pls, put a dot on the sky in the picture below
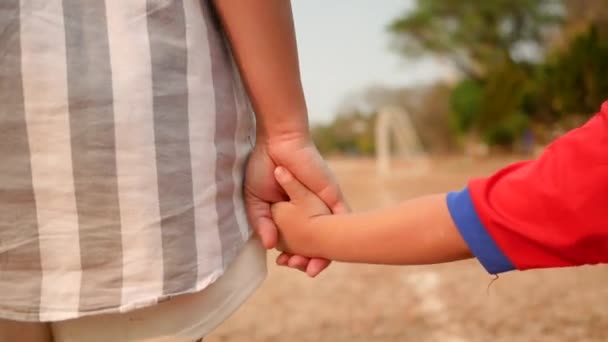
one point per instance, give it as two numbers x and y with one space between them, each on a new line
344 47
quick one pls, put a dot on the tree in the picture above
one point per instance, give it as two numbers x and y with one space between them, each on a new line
492 109
575 78
349 133
475 35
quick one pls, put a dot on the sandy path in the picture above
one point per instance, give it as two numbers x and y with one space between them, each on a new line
438 303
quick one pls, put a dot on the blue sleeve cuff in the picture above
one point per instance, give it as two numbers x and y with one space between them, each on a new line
475 234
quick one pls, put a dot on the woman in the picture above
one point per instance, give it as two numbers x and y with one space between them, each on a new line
124 135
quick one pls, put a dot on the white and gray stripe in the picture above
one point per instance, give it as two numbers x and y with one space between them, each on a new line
202 119
142 266
167 30
124 132
46 102
20 266
91 111
226 117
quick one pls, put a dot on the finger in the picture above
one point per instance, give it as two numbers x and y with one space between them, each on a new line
258 213
294 189
298 262
316 266
330 192
267 231
341 207
334 198
283 259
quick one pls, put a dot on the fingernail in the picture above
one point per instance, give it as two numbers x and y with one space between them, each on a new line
279 171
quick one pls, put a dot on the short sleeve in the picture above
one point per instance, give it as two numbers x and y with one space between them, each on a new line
550 212
475 234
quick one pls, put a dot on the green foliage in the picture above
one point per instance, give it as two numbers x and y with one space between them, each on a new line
502 95
350 133
482 39
474 35
324 139
465 102
576 79
506 131
492 107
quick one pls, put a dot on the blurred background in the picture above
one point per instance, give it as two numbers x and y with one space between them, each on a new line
413 97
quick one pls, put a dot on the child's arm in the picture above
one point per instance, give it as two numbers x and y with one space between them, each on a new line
549 212
418 231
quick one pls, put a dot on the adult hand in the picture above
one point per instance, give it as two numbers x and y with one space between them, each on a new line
298 154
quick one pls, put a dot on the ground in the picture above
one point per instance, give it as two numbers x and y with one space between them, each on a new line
452 303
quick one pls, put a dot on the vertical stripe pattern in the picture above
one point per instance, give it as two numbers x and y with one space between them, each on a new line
124 131
202 147
93 153
167 32
46 103
20 266
135 151
225 131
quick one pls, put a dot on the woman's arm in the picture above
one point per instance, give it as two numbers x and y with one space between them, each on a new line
262 37
263 41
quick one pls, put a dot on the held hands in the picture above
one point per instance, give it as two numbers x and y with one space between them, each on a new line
296 218
297 153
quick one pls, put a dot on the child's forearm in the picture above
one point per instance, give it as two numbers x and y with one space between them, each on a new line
418 231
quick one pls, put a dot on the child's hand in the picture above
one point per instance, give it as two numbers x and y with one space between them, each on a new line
296 218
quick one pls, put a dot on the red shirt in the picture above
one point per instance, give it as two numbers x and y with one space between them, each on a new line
548 212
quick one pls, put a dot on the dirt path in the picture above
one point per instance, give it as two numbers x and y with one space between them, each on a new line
439 303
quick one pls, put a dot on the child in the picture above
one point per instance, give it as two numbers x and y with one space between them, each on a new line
549 212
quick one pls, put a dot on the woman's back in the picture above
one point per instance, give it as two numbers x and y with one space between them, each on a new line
124 130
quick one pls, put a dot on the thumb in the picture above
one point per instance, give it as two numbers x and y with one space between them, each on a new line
294 189
260 217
